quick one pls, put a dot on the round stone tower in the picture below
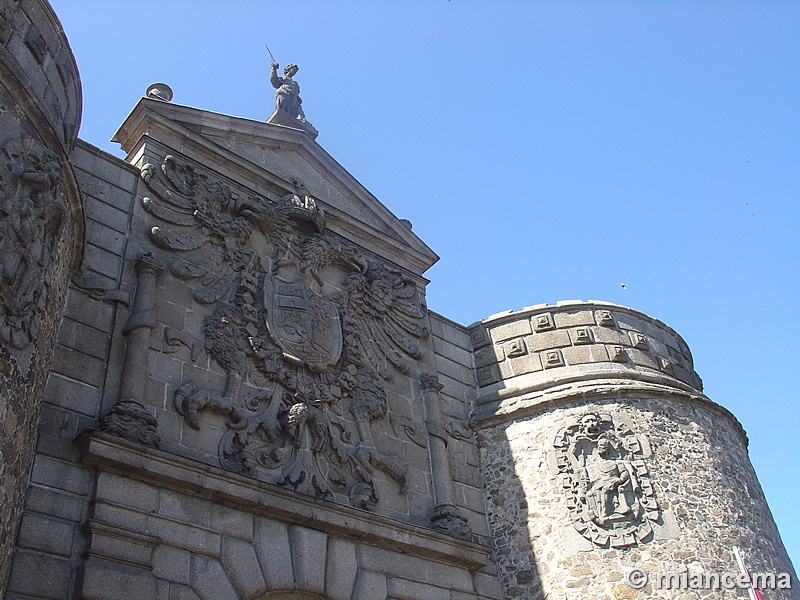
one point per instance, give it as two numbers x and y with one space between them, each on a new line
605 461
41 229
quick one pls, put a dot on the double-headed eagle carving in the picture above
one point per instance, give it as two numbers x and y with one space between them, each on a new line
305 326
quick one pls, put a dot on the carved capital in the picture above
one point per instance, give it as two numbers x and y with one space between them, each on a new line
148 265
447 519
430 383
129 420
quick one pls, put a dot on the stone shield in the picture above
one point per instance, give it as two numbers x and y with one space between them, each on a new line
303 323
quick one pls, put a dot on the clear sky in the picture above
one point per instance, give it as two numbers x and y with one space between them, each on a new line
545 150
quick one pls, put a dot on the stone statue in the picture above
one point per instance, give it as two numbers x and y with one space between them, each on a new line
287 98
608 485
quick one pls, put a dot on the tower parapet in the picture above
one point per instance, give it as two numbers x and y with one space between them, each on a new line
602 455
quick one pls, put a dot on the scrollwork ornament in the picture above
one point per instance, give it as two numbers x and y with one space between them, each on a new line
32 216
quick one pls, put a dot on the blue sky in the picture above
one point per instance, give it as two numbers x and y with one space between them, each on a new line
545 150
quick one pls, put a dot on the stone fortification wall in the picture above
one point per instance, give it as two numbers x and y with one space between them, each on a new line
41 229
602 455
155 470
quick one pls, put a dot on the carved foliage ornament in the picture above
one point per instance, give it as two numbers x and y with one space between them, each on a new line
32 215
605 481
305 327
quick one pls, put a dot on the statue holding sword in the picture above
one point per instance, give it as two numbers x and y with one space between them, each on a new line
287 97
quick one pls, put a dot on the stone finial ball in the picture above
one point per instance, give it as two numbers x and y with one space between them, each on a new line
159 91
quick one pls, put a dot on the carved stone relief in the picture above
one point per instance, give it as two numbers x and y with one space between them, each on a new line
605 480
305 327
32 215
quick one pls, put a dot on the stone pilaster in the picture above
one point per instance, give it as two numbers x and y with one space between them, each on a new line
446 517
129 418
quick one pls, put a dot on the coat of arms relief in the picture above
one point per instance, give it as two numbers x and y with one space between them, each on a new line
605 480
307 329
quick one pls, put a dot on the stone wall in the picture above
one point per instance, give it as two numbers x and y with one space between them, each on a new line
155 472
41 229
60 490
595 467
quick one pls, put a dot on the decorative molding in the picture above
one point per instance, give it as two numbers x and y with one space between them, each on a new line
163 469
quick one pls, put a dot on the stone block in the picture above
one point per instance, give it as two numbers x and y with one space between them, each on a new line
395 564
585 354
525 364
370 586
102 261
181 592
60 475
127 492
452 352
55 503
488 355
172 564
80 337
44 534
209 580
552 359
232 522
487 375
73 395
452 369
405 589
604 335
564 320
27 578
479 336
271 541
488 585
101 212
105 237
472 498
309 549
240 562
120 516
511 330
543 322
188 509
643 359
181 535
581 336
547 340
515 348
79 366
105 580
341 569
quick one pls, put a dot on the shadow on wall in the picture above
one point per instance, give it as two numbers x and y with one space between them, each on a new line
507 508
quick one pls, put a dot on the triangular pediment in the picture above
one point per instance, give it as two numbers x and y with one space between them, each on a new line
270 159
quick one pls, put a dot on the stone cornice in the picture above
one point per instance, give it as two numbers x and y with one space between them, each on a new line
156 467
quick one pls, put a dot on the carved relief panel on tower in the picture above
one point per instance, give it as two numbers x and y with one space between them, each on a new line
308 330
605 480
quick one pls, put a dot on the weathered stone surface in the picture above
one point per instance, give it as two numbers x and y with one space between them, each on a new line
271 541
370 586
341 569
209 580
240 562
